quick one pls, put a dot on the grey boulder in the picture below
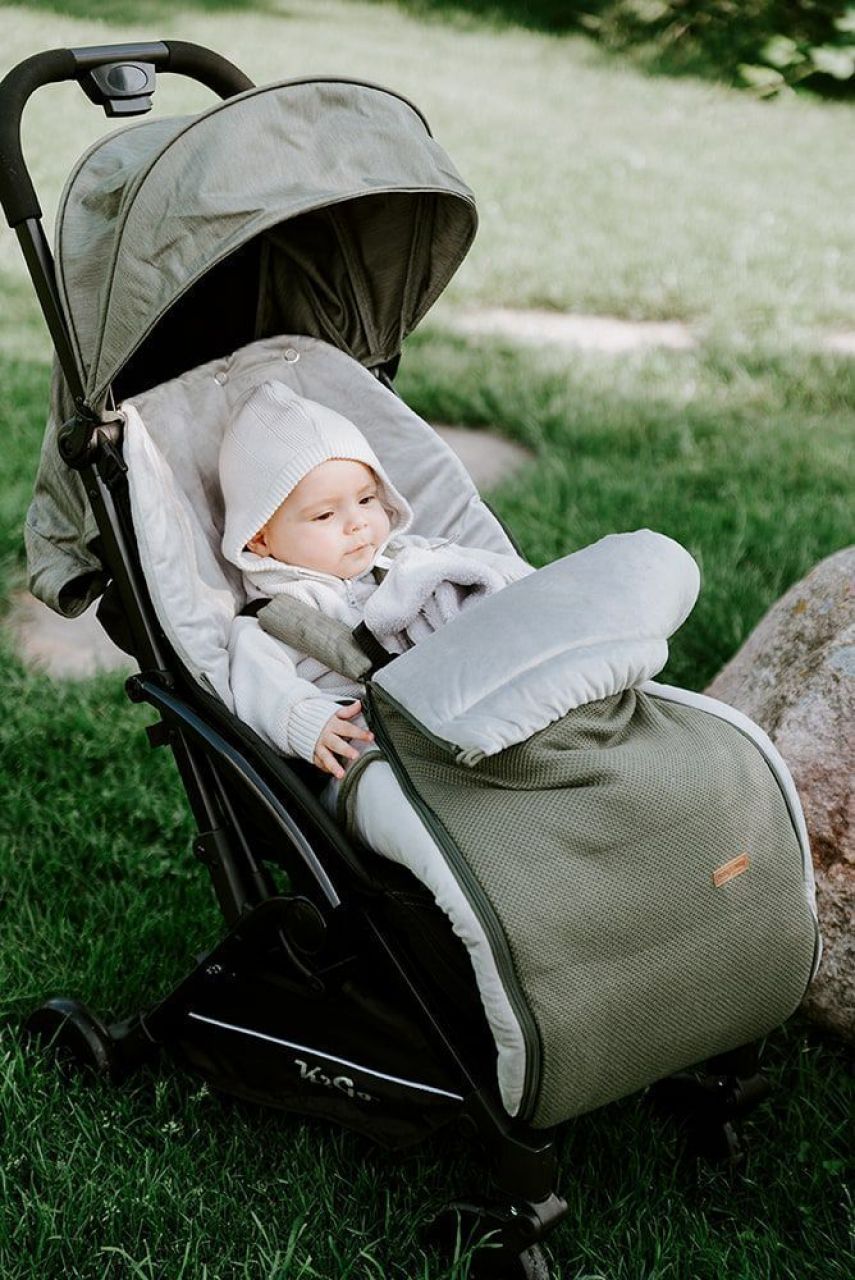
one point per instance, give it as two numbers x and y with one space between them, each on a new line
795 676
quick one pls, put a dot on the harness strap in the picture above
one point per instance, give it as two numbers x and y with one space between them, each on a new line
370 645
254 607
355 654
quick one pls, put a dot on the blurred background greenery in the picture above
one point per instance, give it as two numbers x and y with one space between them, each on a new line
767 45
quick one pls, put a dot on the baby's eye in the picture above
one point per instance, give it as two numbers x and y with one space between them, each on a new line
369 497
325 515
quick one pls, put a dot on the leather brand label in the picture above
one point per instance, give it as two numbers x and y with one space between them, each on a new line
735 867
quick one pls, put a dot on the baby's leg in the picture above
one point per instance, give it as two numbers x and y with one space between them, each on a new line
382 817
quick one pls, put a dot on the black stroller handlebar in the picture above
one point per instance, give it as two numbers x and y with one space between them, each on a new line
17 194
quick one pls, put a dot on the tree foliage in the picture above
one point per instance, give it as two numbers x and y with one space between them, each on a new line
768 46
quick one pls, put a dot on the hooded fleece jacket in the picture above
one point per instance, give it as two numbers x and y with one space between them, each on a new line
275 439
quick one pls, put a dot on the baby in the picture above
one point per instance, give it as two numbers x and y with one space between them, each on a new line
311 513
332 522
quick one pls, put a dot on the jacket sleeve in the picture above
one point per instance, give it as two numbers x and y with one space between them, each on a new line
284 709
507 564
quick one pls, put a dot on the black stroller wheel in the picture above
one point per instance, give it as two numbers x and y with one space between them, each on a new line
491 1264
75 1035
534 1264
529 1265
463 1225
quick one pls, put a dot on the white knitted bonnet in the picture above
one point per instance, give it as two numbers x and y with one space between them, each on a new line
275 438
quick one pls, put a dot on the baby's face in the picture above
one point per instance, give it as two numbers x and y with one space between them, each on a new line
332 521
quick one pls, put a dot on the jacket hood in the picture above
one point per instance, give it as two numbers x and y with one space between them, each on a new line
275 439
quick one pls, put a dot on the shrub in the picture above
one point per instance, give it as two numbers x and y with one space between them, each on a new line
765 45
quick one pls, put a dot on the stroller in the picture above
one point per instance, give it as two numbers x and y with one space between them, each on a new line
299 232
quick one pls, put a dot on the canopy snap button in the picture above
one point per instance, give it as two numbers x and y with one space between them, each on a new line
291 355
221 378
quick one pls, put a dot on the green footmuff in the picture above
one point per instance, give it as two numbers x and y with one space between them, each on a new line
638 873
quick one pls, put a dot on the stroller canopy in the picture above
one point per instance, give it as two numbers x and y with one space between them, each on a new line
338 214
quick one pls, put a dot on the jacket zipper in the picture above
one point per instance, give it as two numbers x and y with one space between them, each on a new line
480 904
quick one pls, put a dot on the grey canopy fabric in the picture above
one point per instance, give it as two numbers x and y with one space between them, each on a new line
341 216
371 220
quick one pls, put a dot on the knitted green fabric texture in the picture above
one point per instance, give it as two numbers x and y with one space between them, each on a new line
589 854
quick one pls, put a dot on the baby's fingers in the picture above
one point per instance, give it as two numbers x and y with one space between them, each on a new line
325 760
350 711
340 747
347 730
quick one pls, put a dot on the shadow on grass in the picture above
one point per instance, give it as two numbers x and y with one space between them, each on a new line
136 11
553 16
692 40
538 15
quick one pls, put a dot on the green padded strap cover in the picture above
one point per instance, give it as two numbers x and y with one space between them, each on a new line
305 628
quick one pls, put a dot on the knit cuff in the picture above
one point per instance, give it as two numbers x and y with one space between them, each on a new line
306 719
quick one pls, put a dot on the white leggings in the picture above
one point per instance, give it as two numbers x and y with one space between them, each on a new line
382 817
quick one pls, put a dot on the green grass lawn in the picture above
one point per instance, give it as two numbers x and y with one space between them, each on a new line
741 449
102 897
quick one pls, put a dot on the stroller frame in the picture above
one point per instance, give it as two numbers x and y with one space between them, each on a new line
337 933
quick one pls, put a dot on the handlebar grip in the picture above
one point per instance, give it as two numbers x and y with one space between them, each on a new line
209 68
17 194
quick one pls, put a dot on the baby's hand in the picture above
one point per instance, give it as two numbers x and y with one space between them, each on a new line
331 740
